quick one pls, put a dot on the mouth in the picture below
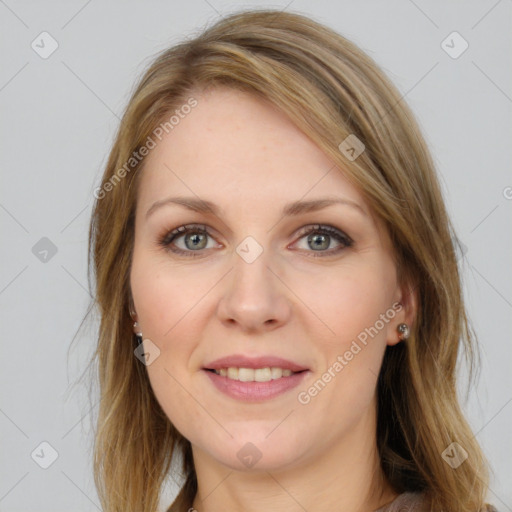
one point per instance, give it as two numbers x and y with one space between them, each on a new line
254 385
254 378
265 374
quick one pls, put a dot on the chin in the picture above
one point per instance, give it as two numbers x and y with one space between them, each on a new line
253 452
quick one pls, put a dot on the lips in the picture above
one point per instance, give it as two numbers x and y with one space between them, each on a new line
255 392
241 361
224 374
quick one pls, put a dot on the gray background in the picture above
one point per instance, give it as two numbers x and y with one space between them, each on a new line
58 118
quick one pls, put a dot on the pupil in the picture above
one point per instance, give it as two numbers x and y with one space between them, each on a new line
320 243
196 239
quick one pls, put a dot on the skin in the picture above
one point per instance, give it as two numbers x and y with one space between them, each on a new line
243 154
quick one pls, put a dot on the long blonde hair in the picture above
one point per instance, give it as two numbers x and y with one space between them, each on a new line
330 89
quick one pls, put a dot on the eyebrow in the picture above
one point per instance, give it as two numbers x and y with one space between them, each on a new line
291 209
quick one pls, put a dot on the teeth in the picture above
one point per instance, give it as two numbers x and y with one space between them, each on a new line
233 373
253 375
247 374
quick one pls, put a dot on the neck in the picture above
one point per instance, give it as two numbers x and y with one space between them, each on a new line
345 476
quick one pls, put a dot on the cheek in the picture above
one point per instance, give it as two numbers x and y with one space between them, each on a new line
171 387
166 316
165 296
349 302
168 302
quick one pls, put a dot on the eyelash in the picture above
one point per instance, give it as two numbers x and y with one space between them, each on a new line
168 238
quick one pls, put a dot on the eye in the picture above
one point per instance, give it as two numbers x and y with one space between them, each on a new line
195 239
320 237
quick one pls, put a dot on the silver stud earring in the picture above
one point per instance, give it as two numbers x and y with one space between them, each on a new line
403 330
138 333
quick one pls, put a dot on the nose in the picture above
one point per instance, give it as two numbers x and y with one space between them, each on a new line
255 298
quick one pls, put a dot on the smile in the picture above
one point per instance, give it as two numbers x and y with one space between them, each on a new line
254 374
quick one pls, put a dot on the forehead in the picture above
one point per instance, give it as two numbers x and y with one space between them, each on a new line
235 146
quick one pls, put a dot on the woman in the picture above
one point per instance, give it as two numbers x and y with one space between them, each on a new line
271 234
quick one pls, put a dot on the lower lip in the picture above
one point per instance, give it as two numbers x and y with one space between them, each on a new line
255 391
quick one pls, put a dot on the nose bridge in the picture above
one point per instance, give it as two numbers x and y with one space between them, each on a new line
252 278
254 296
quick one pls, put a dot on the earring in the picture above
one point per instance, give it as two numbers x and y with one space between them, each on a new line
403 330
138 333
136 327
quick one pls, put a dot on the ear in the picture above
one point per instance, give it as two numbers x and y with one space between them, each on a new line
131 306
406 308
135 327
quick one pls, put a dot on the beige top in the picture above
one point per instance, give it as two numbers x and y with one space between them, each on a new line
405 502
415 502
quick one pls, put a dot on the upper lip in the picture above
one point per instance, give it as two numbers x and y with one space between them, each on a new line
241 361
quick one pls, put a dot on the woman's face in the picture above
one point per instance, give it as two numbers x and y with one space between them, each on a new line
316 287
